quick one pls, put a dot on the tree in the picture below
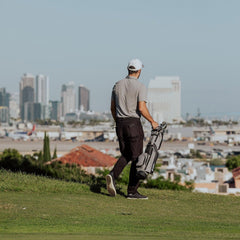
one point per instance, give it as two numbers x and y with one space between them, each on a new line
46 149
40 157
233 162
54 154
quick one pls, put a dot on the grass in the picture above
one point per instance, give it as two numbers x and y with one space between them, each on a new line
33 207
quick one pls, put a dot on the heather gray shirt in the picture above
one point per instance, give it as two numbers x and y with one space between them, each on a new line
127 93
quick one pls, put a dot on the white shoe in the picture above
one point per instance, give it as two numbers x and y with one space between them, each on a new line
110 185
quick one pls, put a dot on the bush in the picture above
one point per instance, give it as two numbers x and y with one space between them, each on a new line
195 154
11 159
233 162
217 162
97 183
66 172
189 185
161 183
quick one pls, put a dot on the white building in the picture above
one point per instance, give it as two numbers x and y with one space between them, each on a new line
14 105
164 99
42 89
68 98
42 95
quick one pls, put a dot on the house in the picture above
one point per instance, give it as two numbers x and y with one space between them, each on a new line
220 134
88 158
236 177
205 179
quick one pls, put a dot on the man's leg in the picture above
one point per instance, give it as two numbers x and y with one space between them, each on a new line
114 174
133 180
136 146
120 164
134 183
118 167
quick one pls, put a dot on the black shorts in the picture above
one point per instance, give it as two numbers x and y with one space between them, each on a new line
130 136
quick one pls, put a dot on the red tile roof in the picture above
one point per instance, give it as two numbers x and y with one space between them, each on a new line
87 156
236 172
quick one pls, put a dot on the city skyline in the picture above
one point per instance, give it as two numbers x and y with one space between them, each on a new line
90 45
46 113
35 104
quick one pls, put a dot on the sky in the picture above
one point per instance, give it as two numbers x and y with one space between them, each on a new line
91 43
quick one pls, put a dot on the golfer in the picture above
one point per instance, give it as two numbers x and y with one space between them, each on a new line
128 104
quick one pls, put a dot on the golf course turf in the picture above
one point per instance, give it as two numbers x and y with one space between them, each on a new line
33 207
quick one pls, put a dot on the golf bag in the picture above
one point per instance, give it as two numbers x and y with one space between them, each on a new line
147 160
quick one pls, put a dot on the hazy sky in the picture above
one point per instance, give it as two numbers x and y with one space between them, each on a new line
91 42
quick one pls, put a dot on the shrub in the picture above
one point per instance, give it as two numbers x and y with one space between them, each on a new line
217 162
11 159
161 183
97 183
233 162
195 154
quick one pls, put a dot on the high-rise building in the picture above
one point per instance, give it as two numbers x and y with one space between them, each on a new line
83 98
4 114
42 89
4 98
68 98
32 111
14 105
164 99
42 95
56 110
27 85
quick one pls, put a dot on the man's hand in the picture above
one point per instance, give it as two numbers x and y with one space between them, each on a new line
144 111
154 124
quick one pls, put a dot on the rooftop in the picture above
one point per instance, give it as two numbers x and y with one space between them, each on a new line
236 172
87 156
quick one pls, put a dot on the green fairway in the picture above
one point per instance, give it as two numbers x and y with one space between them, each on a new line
34 207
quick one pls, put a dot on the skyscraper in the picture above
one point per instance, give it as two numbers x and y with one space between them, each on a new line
164 96
4 114
26 88
42 89
14 105
56 110
4 98
83 98
68 98
32 111
42 95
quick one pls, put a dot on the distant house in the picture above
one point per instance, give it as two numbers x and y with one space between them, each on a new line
88 158
205 180
236 177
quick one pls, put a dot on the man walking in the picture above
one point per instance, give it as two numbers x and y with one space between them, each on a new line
128 104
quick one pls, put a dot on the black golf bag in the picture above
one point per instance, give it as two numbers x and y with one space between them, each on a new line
147 160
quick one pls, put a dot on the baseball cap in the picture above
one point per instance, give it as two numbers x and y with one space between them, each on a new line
135 65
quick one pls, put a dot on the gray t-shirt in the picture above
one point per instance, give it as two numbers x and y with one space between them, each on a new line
127 93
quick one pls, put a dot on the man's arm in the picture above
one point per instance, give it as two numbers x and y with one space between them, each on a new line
113 110
144 111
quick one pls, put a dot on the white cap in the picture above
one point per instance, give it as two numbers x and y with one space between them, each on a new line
135 65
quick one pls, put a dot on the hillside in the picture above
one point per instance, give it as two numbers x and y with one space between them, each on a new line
33 207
